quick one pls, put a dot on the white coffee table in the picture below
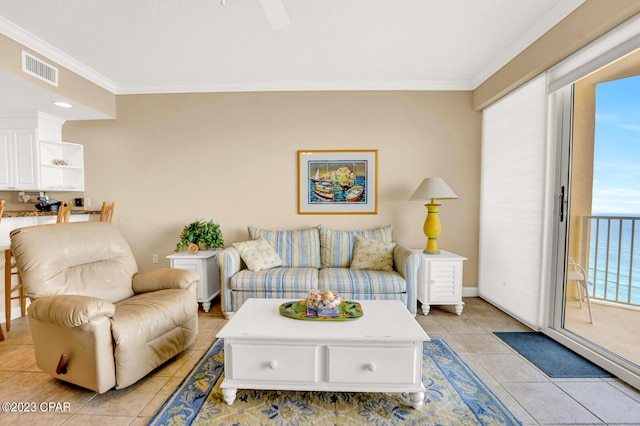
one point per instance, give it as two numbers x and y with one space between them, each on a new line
379 352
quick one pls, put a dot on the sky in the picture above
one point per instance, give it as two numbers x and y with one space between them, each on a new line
616 179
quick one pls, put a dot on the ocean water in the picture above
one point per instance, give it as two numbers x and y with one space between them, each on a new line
614 259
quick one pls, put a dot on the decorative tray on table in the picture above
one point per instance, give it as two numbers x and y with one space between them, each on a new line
345 311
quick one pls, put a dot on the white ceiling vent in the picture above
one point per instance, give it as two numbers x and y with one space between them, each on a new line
35 67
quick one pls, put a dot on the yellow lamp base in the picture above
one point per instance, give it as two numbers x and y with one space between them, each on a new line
432 228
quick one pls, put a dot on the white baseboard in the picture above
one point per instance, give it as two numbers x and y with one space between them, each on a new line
14 315
469 291
15 312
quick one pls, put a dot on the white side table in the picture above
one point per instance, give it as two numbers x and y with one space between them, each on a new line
205 263
440 280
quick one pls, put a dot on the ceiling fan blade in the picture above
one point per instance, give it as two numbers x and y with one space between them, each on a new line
276 13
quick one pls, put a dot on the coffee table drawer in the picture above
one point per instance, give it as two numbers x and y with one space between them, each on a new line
349 364
280 363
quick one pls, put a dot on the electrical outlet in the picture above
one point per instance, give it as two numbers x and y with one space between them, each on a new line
87 203
155 258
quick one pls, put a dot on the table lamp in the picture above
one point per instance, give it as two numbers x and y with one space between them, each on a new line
433 188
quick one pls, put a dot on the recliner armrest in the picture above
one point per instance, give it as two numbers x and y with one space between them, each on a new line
70 310
163 278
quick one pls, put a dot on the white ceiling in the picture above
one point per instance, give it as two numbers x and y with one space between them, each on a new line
164 46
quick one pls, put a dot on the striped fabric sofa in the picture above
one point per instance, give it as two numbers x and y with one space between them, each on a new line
318 258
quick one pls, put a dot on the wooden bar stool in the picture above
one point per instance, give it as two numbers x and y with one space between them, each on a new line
11 269
64 212
5 266
106 213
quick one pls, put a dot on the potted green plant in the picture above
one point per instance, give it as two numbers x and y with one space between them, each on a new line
201 234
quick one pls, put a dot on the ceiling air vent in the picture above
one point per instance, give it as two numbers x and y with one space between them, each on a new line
35 67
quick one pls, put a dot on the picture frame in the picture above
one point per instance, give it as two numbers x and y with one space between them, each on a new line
338 182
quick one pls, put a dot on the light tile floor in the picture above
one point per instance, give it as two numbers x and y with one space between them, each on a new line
530 394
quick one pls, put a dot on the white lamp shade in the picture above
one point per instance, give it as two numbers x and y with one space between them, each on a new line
433 188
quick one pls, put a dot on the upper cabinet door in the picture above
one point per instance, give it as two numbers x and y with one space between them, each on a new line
6 160
18 159
25 149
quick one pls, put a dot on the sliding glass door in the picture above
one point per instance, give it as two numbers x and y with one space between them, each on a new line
596 297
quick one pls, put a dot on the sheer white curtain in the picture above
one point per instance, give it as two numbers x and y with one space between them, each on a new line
513 202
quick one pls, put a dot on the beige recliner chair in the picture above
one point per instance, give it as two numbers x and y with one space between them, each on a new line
95 321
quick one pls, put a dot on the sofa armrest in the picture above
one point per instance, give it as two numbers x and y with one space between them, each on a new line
229 263
164 278
407 263
70 310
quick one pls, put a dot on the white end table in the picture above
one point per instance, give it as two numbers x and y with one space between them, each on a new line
205 263
380 352
440 280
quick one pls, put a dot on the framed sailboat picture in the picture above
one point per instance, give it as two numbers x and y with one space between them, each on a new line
336 182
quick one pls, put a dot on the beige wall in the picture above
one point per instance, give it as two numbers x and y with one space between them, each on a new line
232 157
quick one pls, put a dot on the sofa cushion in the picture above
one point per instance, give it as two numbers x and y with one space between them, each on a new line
336 247
372 254
277 279
258 254
239 297
296 248
361 283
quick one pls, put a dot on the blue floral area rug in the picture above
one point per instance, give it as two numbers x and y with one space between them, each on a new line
455 396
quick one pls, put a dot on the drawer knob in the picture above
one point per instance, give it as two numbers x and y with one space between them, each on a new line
273 365
370 367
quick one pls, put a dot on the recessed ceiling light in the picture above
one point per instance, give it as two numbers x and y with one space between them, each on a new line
63 104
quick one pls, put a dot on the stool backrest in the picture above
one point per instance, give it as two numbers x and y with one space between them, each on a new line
106 213
64 211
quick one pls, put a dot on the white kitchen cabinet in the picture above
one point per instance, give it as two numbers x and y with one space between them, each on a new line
19 159
205 263
61 166
33 156
440 280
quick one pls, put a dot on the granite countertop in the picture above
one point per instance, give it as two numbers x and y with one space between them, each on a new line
35 213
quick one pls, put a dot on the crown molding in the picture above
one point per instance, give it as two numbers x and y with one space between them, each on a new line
302 86
43 48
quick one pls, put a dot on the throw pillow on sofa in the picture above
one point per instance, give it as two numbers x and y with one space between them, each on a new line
298 248
336 247
372 254
258 254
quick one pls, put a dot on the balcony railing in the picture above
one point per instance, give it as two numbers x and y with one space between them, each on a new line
611 258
